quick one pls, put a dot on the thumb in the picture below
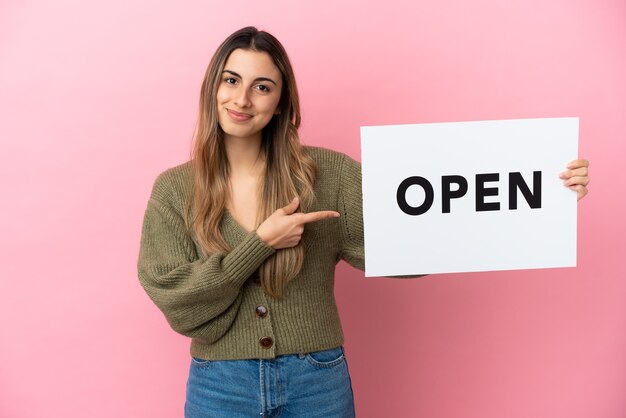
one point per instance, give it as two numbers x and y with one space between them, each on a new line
292 206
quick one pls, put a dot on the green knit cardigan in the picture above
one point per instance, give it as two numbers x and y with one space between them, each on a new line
216 301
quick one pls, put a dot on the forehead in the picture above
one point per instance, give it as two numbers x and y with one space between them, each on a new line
252 64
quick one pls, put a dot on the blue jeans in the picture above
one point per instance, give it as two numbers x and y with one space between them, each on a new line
299 385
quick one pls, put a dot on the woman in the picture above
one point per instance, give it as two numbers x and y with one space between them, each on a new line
226 256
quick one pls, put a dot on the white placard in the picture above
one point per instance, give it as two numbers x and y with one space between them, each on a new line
462 232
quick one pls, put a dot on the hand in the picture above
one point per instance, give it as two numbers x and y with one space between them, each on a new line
577 177
284 228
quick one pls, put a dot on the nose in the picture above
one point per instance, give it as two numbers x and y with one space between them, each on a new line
242 99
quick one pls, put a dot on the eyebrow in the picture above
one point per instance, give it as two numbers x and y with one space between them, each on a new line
256 79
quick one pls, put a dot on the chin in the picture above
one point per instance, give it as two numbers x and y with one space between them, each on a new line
239 133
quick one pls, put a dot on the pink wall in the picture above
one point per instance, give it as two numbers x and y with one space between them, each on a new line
96 98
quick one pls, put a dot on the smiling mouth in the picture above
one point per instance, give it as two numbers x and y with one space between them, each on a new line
238 117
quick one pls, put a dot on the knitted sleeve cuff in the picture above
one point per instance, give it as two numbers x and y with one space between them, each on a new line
247 257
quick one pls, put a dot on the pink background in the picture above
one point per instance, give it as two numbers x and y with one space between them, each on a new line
97 98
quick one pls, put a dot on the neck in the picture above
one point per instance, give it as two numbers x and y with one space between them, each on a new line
244 155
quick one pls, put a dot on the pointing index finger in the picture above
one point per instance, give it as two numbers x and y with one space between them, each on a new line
318 216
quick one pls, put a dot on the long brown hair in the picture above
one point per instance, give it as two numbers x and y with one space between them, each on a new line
289 171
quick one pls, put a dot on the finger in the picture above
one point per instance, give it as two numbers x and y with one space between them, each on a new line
573 181
318 216
581 171
291 207
289 244
578 163
293 241
580 190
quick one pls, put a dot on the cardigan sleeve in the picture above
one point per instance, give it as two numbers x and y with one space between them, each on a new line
350 206
199 297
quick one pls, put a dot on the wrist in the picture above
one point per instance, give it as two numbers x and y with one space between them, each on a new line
261 233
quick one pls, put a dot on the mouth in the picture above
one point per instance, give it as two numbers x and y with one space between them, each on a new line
238 117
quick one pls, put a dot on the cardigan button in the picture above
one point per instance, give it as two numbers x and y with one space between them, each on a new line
261 311
266 342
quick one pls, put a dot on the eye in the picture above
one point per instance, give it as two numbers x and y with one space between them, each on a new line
230 80
263 88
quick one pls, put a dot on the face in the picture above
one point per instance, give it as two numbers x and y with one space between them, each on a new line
248 94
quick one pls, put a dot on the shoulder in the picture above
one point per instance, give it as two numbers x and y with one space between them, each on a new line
173 185
338 175
332 162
